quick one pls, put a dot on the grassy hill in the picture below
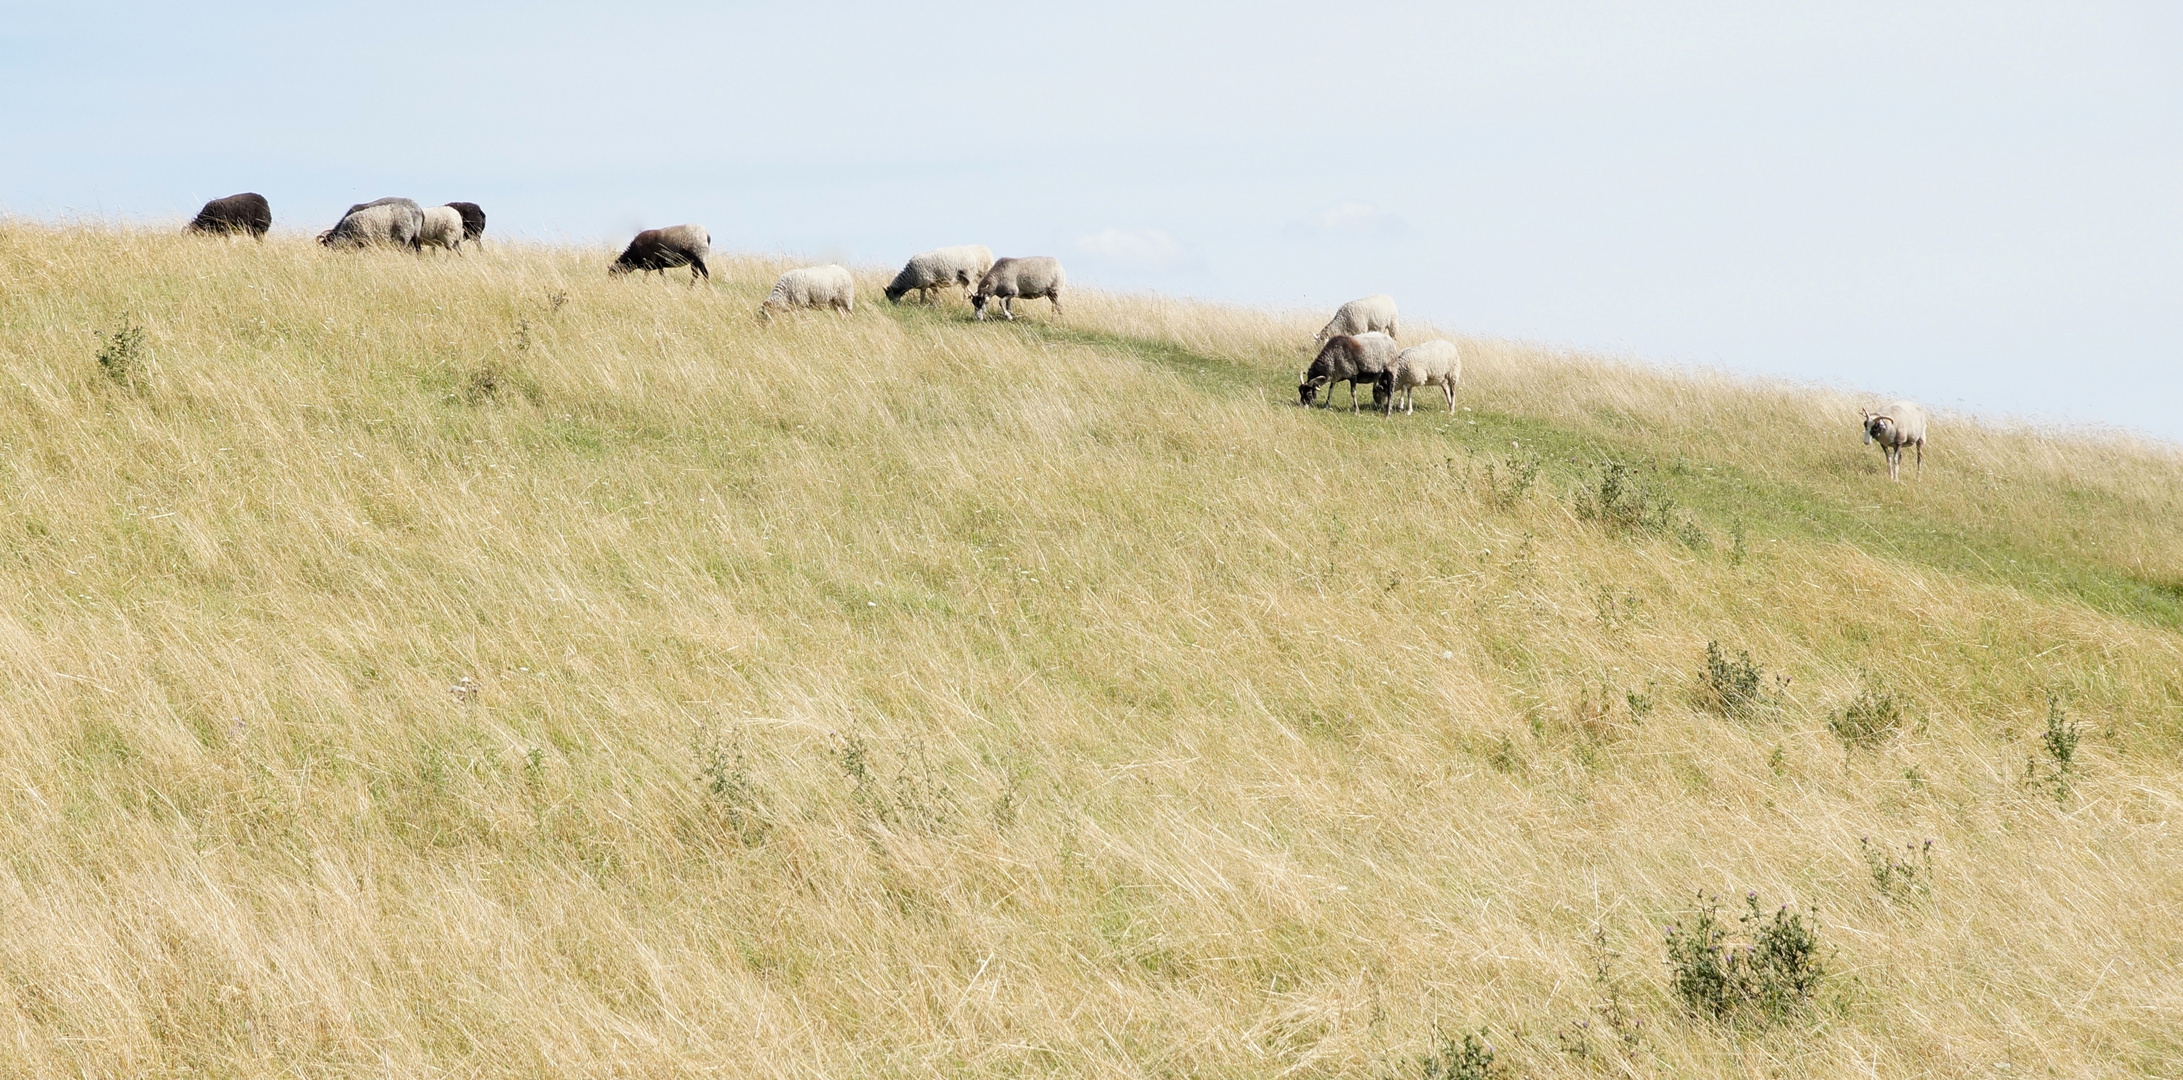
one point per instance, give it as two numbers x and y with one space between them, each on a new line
481 667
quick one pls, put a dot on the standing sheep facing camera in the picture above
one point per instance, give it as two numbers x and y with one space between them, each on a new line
811 286
1899 425
661 250
1349 358
1434 363
1020 279
1360 316
941 268
442 228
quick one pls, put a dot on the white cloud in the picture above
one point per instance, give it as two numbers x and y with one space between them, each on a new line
1148 248
1349 218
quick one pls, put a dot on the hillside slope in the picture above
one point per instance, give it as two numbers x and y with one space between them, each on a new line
478 666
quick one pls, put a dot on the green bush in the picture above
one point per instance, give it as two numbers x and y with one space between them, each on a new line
1729 687
1870 719
1766 981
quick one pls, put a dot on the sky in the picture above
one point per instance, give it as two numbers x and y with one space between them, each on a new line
1977 205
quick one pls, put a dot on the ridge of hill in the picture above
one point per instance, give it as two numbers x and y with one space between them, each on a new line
476 665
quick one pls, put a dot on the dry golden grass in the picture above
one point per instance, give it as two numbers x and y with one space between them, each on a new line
480 667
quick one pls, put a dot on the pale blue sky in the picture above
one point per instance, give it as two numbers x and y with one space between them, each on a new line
1979 205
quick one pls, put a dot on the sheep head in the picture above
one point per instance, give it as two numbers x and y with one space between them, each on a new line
977 303
617 268
1307 391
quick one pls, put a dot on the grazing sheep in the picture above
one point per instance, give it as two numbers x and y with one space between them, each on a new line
1350 358
473 220
244 213
1360 316
1020 279
811 286
665 249
442 229
393 222
941 268
1899 425
1434 363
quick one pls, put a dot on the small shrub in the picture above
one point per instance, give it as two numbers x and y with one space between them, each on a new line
494 381
1899 878
1693 536
1508 491
1869 720
725 771
1765 982
1622 502
1470 1058
1640 704
915 797
1729 687
121 353
1618 1028
2060 743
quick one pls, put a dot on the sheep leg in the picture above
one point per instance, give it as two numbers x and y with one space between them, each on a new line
1921 458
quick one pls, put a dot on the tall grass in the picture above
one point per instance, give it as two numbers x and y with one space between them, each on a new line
478 666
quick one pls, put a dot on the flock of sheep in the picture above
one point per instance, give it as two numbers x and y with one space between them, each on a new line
1356 347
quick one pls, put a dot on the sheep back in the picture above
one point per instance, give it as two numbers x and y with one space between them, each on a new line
963 264
812 286
1350 358
1362 315
665 249
1025 278
1429 363
247 212
395 222
473 220
442 228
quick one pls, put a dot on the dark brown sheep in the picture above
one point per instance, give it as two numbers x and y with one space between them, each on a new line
244 213
665 249
1349 358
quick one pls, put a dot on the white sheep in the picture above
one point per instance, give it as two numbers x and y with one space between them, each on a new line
1027 278
1360 316
1899 425
442 228
811 286
942 268
1434 363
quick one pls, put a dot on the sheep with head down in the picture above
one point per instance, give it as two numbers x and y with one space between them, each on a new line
1433 363
830 287
1899 425
661 250
1020 279
941 268
393 222
246 213
1349 358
